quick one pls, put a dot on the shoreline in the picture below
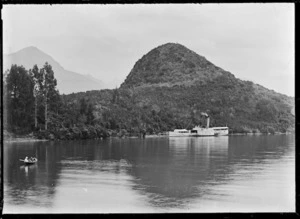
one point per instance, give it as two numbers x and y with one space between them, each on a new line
31 139
21 139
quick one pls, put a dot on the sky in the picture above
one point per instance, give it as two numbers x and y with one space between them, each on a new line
253 41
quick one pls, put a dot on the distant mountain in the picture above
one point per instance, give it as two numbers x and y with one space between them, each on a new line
67 81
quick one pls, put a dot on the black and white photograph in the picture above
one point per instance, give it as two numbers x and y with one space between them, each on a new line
148 108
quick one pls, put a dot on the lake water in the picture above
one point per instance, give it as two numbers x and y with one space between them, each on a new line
209 174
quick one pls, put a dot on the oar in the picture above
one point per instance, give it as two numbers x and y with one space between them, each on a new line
21 160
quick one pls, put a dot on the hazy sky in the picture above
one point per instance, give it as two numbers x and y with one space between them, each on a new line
253 41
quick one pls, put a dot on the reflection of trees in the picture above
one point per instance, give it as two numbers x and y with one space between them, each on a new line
251 149
256 149
167 170
171 171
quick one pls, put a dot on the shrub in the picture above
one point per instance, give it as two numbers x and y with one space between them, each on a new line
92 132
122 133
102 132
85 132
43 134
76 133
62 133
271 130
255 131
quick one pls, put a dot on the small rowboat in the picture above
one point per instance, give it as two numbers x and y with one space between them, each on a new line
29 161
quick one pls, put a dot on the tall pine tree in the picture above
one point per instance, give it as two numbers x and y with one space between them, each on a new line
19 99
37 79
48 88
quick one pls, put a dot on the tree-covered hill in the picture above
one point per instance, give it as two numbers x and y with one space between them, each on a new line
228 101
167 88
171 64
180 81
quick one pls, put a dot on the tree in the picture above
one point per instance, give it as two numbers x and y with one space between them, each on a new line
89 114
4 98
266 110
37 79
115 96
83 106
19 98
48 88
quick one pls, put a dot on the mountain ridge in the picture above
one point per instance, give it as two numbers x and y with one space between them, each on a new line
67 81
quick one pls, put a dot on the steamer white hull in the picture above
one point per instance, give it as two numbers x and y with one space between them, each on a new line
199 132
180 133
221 130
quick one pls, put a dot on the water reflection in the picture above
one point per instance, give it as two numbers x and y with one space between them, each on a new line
26 182
172 174
256 146
121 175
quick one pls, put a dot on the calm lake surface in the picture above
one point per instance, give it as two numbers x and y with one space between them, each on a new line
209 174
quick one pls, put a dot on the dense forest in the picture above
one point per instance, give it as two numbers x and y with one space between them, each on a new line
32 104
154 98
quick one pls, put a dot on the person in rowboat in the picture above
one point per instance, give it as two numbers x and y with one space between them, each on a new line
26 159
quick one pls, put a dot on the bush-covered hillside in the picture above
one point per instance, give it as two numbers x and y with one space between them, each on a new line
171 64
167 88
183 83
228 101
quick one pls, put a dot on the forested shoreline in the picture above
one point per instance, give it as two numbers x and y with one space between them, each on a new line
34 107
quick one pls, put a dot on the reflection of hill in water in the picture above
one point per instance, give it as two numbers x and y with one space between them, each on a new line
168 172
172 173
257 151
255 147
182 168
